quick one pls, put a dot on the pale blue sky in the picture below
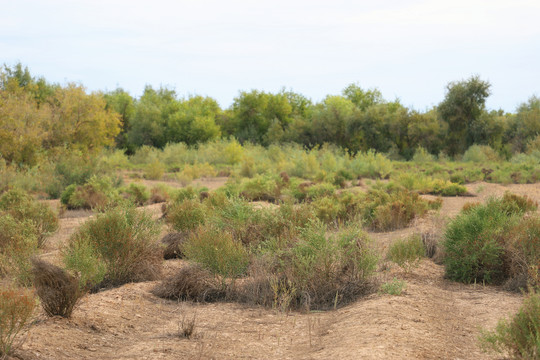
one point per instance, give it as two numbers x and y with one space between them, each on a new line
409 49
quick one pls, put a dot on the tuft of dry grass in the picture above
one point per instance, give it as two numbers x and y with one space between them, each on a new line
173 245
58 291
192 283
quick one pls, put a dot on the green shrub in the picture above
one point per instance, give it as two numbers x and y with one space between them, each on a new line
447 188
73 168
494 242
480 154
372 165
124 240
217 251
394 287
421 155
519 336
154 170
18 243
320 190
97 193
515 204
38 216
474 244
138 193
407 252
239 218
390 209
320 271
328 209
83 257
186 215
16 309
261 188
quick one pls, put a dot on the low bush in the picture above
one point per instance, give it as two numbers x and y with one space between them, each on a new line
16 309
317 271
473 244
191 283
173 245
391 209
491 242
159 194
217 251
328 209
240 219
58 290
320 190
394 287
123 240
97 193
137 193
523 251
261 188
480 154
407 252
18 243
520 335
186 215
154 171
23 208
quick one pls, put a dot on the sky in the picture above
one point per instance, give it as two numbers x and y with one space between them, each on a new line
409 49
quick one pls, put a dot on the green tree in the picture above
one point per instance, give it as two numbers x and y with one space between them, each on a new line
122 103
362 98
149 123
462 106
330 120
81 120
253 113
526 124
194 121
22 125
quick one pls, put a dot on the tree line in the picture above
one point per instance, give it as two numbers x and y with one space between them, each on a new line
37 116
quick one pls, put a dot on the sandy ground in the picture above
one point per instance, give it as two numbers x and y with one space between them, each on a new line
433 318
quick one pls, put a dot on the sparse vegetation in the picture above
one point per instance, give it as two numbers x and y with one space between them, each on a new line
305 181
394 287
520 335
16 310
408 252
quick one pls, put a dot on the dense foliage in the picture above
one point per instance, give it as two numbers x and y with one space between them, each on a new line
38 117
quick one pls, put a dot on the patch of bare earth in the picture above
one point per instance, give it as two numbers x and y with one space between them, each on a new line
433 318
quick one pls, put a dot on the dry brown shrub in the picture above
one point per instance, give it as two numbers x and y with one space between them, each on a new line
173 242
16 309
224 173
192 283
58 291
523 254
158 195
470 205
432 236
204 195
